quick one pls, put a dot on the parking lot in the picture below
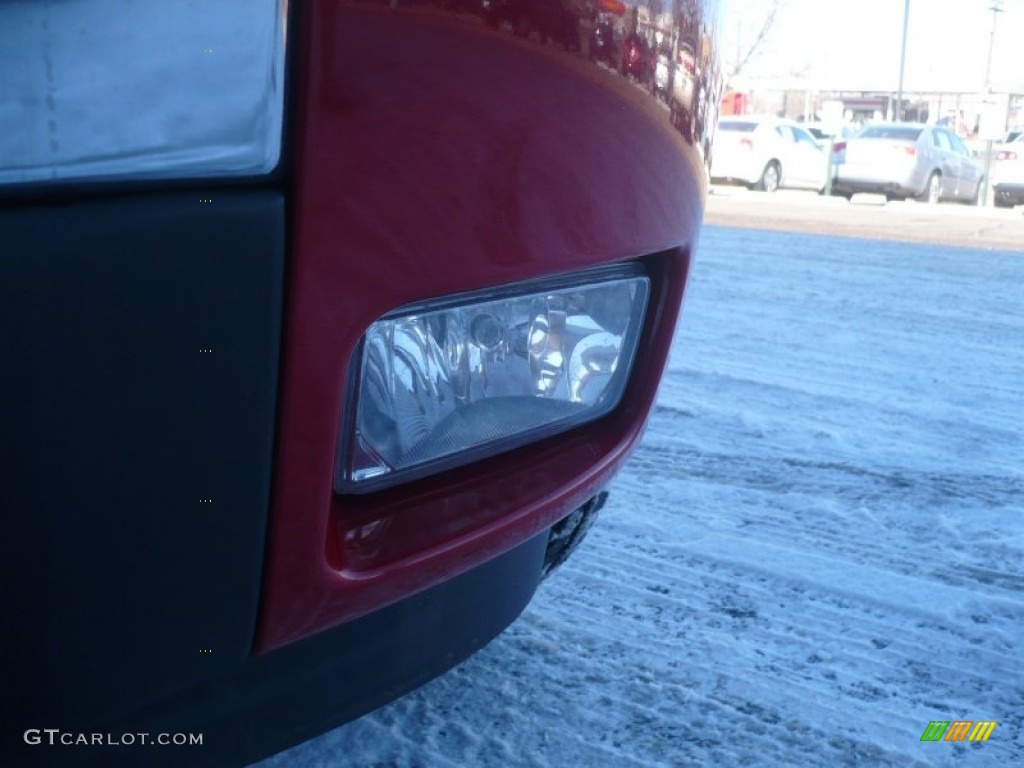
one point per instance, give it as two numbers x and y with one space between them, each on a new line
868 216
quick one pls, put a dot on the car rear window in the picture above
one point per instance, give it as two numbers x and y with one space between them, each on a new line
743 127
898 132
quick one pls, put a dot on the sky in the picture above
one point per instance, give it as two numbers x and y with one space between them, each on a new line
856 44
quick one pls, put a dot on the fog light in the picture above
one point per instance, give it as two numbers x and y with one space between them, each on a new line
447 383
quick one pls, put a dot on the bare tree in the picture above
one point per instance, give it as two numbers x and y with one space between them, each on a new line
768 21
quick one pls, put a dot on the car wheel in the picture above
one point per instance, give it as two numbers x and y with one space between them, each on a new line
770 177
890 198
1002 203
932 190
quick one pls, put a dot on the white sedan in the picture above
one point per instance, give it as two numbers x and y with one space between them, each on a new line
1008 174
767 153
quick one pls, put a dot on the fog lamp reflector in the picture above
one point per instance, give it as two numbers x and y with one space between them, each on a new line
439 387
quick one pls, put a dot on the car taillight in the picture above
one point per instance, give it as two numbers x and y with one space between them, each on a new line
747 143
452 381
908 150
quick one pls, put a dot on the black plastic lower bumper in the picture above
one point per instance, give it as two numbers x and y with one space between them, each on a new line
288 696
1009 194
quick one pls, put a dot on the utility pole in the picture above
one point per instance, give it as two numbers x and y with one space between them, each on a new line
996 8
897 113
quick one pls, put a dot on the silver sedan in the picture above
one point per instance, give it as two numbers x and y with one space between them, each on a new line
901 160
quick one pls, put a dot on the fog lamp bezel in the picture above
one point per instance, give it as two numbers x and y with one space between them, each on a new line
566 281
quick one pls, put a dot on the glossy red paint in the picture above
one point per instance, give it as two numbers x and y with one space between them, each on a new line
436 156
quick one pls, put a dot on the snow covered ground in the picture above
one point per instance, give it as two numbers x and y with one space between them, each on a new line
817 549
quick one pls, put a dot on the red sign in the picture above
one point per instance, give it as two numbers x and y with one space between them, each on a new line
612 6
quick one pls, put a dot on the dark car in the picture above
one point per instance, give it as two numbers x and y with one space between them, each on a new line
637 60
602 43
326 328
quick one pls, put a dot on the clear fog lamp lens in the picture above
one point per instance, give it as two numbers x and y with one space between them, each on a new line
437 388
